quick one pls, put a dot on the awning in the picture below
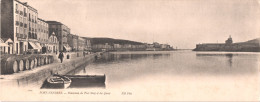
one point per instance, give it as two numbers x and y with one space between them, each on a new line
3 44
34 45
39 45
67 48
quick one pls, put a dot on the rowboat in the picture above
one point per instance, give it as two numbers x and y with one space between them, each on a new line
58 81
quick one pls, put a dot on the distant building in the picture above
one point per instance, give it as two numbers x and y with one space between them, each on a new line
61 32
73 41
88 44
81 44
249 46
229 40
53 44
156 45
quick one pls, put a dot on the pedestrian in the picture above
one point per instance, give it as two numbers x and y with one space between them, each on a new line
61 57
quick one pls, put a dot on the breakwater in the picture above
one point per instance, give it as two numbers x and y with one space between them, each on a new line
35 78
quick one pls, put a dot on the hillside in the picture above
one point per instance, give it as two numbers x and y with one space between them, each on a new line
254 41
112 41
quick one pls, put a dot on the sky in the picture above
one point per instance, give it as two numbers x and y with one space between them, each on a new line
180 23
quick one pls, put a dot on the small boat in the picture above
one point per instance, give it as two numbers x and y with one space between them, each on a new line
58 81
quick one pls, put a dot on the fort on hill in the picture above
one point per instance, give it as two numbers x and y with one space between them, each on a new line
248 46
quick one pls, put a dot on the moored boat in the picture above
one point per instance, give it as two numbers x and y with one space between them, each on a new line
57 81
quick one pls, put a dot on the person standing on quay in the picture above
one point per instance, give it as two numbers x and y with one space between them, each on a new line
61 57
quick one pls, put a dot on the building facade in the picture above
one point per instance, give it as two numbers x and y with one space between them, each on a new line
43 34
88 46
20 20
33 44
81 44
249 46
73 41
14 17
61 32
53 44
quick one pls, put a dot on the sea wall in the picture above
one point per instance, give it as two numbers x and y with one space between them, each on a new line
36 77
228 47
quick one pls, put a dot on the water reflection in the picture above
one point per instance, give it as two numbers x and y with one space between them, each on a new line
123 69
112 57
228 56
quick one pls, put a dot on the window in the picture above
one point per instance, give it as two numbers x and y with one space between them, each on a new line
17 31
24 10
16 6
29 16
25 31
21 31
24 20
17 18
21 19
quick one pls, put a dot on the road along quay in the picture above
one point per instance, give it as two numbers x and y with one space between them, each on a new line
36 76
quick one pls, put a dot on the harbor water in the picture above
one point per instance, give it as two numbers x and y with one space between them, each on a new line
180 75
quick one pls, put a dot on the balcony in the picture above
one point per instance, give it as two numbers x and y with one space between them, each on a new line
25 14
21 35
21 12
34 35
25 36
17 35
17 23
21 24
16 11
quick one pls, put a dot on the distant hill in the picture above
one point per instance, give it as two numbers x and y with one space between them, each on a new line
112 41
254 41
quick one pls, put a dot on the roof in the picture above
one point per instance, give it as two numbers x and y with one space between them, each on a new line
211 44
25 4
41 19
5 39
54 22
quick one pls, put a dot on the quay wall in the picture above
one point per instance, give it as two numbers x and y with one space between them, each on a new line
228 47
37 77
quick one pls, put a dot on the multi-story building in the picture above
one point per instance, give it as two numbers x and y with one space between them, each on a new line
87 44
20 20
14 17
81 44
61 32
43 34
32 29
73 41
